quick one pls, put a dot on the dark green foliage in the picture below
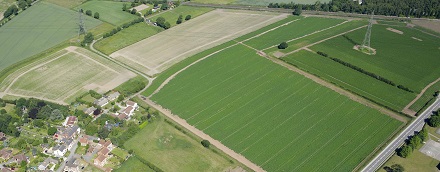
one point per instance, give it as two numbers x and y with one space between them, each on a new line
205 143
124 7
179 20
283 45
188 17
132 86
164 6
149 164
7 125
394 168
402 8
95 94
45 140
3 111
22 4
125 25
405 151
131 131
103 133
89 12
2 103
38 123
149 12
91 129
415 142
161 22
51 131
10 11
133 11
87 39
96 15
298 10
434 121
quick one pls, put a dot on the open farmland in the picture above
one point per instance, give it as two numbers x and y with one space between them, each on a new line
162 50
185 153
172 15
36 29
109 11
66 3
249 103
65 75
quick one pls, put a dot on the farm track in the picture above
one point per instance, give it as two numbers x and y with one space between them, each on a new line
240 158
407 109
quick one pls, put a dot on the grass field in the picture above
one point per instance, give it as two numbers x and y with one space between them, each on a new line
249 103
292 30
350 79
417 161
109 11
126 37
157 53
399 58
172 15
66 3
257 2
133 164
65 75
160 143
426 97
37 29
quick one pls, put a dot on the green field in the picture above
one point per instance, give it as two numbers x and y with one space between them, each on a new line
250 103
37 29
171 16
66 75
399 58
109 11
133 164
350 79
429 94
257 2
160 143
293 30
126 37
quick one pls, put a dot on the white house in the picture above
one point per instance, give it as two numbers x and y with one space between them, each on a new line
59 150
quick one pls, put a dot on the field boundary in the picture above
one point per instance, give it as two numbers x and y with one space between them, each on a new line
407 107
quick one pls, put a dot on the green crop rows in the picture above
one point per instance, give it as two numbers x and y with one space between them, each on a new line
36 29
276 118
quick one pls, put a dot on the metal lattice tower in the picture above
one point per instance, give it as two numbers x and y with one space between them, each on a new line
366 42
82 26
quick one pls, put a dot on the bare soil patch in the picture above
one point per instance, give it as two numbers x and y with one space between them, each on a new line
278 54
395 30
140 7
429 24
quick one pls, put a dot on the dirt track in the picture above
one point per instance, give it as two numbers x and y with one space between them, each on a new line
240 158
411 112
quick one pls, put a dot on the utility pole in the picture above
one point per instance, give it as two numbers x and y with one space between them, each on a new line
366 47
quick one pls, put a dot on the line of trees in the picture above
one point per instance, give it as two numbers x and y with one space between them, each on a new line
434 120
371 74
161 22
413 143
124 26
401 8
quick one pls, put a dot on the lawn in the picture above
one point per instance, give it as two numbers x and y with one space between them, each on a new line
172 15
292 30
133 164
109 11
66 75
249 103
400 57
350 79
417 161
36 29
160 143
126 37
157 53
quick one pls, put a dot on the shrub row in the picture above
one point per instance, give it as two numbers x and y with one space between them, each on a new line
371 74
413 143
124 26
151 165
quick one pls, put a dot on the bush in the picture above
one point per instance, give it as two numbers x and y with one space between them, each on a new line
188 17
205 143
283 45
89 12
96 15
434 121
405 151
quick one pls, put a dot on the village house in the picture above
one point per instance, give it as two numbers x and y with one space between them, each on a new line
2 136
71 166
68 132
101 160
20 158
104 151
101 102
4 169
46 163
70 121
59 150
90 110
5 153
132 104
113 96
84 141
105 144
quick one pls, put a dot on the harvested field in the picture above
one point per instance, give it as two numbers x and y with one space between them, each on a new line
64 75
428 24
248 103
157 53
37 29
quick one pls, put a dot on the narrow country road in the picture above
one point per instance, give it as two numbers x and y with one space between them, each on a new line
240 158
416 125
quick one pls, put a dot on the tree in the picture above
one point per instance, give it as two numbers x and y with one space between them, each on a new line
188 17
149 12
23 164
97 112
11 10
179 20
167 25
89 12
298 10
434 121
3 111
22 4
423 134
96 15
45 140
124 7
38 123
206 143
130 151
164 6
437 92
56 115
405 151
415 142
283 45
87 39
394 168
133 11
51 131
44 112
103 133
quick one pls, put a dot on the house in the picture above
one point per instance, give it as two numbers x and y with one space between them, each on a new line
122 116
104 151
90 110
128 111
68 143
70 121
5 153
101 102
113 96
71 166
20 158
84 141
68 132
2 136
47 162
101 160
106 144
4 169
90 150
132 104
59 150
